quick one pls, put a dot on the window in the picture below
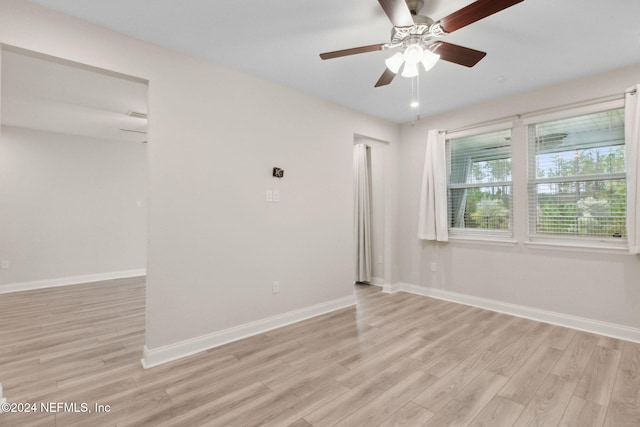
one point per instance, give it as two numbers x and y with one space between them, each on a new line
479 187
577 181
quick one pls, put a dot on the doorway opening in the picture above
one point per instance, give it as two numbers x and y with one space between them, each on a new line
370 211
73 197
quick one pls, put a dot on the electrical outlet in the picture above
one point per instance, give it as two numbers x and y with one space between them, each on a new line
269 196
5 265
434 266
275 288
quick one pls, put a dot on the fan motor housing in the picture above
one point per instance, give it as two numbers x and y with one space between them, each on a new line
423 20
415 6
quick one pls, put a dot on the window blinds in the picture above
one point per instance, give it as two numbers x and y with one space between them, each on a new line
577 181
479 184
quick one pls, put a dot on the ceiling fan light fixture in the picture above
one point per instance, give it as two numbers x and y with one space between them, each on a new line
429 59
413 54
410 69
394 62
414 33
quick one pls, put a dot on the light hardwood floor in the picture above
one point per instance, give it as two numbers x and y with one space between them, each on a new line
395 360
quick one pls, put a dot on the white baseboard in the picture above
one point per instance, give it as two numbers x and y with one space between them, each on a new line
574 322
392 288
72 280
378 281
158 356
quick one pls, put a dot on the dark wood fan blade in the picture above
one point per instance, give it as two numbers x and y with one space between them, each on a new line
458 54
398 12
385 78
352 51
474 12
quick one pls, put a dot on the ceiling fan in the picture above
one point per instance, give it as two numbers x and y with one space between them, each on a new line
419 37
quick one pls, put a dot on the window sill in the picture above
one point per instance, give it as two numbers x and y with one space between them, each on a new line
579 247
480 240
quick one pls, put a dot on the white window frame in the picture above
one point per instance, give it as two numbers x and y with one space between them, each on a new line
583 242
478 234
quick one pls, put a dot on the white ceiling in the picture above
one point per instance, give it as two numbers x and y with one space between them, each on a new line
43 93
532 44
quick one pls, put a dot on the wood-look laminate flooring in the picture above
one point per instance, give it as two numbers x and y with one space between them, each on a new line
394 360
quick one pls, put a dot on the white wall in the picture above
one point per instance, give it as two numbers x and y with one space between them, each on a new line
603 287
215 246
68 206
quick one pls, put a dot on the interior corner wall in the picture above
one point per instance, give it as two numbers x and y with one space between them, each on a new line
215 244
591 285
69 206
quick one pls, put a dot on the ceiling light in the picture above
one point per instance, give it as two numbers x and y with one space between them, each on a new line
410 70
134 131
413 54
136 114
395 62
429 59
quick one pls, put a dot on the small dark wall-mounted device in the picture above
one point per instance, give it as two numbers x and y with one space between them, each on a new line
278 173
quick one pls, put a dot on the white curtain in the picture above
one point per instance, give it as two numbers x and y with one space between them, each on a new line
362 213
433 224
632 144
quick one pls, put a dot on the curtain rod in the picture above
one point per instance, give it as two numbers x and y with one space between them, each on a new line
543 110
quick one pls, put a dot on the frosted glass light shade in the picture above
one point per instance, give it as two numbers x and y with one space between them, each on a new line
413 54
429 59
394 62
410 70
